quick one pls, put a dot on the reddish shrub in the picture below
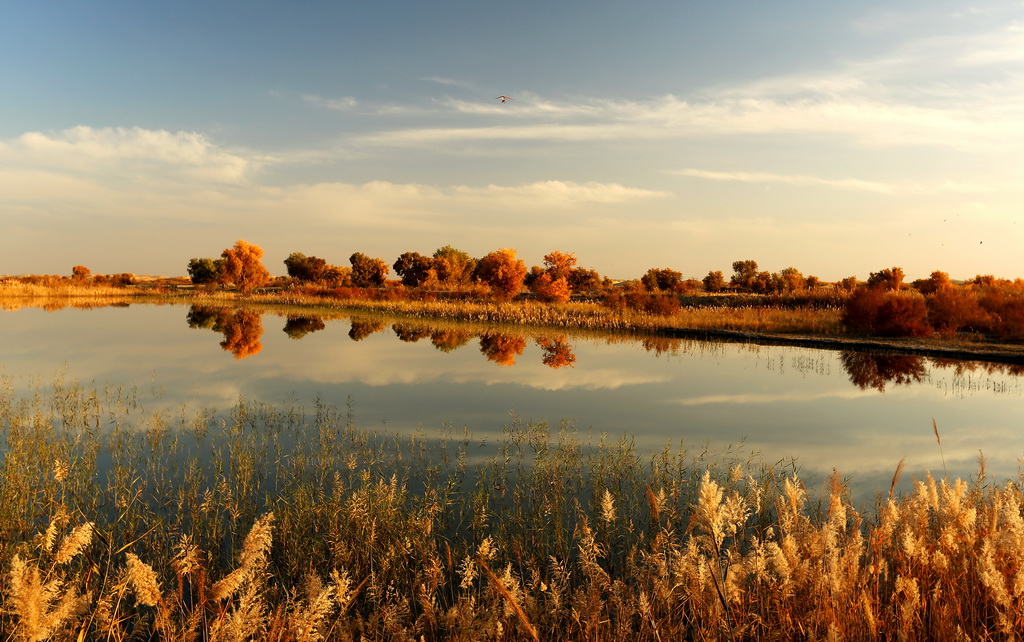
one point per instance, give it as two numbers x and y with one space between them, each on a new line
887 314
659 304
954 310
1007 309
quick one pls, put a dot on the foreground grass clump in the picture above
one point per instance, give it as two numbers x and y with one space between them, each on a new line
279 523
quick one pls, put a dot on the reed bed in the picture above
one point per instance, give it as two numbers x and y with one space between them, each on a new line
737 313
765 317
291 523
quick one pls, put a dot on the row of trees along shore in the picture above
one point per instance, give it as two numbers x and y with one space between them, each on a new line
883 305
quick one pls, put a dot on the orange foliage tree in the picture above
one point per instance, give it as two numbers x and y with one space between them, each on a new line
243 266
936 282
503 272
551 290
453 267
368 272
554 285
888 279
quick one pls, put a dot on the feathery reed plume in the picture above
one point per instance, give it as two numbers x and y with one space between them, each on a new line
504 592
142 579
74 543
652 500
896 476
253 559
607 507
41 609
935 427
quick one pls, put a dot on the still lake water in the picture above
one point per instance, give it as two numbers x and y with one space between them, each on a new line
854 412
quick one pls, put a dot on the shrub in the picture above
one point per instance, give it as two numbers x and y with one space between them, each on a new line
953 310
657 304
887 314
1007 309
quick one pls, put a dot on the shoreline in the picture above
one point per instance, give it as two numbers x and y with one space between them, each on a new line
934 348
482 311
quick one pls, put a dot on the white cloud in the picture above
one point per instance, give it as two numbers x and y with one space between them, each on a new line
840 183
87 168
859 121
344 103
764 398
964 92
132 150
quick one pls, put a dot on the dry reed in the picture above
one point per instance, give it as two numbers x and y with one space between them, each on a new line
304 527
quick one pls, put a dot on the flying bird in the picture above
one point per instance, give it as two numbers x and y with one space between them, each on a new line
504 98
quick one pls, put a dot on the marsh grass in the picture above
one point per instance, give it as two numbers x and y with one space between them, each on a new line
286 523
747 313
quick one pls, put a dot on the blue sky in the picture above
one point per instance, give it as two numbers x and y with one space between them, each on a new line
838 138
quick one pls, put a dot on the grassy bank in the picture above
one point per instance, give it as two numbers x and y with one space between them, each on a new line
264 522
748 314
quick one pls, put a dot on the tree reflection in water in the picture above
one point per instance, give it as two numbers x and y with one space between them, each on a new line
242 329
557 352
448 340
297 327
362 328
410 333
500 348
869 370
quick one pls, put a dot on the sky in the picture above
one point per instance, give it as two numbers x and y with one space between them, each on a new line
839 138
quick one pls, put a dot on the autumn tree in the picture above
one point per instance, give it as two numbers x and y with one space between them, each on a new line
714 281
582 279
205 271
80 273
551 283
308 269
888 279
243 266
454 267
367 272
550 290
744 273
792 279
935 282
503 272
664 279
559 264
849 284
415 270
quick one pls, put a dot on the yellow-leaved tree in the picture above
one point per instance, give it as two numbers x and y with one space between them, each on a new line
243 266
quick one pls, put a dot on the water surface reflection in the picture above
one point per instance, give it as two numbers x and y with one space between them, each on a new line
857 412
242 330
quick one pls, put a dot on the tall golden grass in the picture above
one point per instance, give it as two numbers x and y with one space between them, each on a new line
747 314
284 523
